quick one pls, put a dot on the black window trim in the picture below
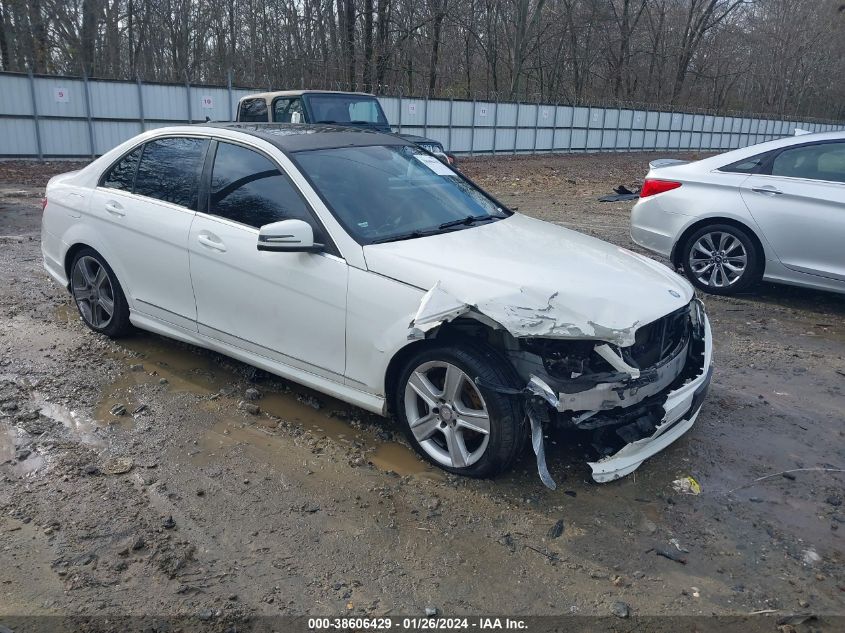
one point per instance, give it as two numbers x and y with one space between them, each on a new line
143 146
204 196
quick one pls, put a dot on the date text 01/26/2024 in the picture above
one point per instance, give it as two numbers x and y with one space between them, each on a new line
416 624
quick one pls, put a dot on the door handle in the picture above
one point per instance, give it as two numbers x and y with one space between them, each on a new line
213 244
767 189
115 209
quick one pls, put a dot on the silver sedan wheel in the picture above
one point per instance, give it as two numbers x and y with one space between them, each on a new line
447 414
718 259
93 292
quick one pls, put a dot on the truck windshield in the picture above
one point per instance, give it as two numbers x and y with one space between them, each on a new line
386 193
346 109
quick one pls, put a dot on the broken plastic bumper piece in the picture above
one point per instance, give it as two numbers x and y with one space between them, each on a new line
681 408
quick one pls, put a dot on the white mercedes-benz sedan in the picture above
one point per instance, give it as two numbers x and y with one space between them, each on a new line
359 265
773 211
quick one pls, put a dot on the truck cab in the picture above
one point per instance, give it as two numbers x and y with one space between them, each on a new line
358 109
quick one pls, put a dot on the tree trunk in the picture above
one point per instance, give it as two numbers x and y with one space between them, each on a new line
368 46
88 39
349 41
439 11
381 41
5 61
39 36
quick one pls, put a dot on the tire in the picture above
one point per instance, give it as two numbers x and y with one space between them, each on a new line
483 455
96 291
734 264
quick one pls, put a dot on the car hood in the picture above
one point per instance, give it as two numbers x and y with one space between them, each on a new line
534 279
413 138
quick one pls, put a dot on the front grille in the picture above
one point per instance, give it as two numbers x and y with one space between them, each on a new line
659 340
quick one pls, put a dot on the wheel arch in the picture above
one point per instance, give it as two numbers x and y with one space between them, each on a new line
464 330
677 247
75 248
71 254
394 368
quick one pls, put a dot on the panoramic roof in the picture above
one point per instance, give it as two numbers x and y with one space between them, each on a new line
294 137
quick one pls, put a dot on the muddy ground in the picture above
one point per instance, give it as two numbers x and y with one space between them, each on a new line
189 505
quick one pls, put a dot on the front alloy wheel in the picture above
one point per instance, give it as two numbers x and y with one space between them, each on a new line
450 418
447 414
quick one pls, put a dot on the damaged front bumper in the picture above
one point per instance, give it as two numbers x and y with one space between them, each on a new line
636 388
681 407
633 418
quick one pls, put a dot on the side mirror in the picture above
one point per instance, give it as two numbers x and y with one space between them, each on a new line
288 236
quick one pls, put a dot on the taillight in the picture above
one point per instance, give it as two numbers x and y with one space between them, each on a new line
43 203
652 186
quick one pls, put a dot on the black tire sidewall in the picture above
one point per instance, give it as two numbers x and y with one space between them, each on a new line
752 272
508 431
119 324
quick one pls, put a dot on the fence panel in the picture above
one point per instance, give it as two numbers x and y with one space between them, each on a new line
56 116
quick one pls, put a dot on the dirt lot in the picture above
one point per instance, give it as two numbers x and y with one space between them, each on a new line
189 505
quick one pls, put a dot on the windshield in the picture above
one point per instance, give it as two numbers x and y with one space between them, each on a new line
360 109
385 193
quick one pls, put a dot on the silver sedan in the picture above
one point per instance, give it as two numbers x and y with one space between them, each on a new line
773 211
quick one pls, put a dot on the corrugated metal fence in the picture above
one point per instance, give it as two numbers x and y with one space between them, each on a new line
56 117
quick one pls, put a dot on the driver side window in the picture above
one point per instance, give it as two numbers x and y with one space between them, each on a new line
247 187
820 161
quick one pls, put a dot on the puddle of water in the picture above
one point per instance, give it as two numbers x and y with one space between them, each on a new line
186 369
79 425
8 438
67 313
319 421
182 368
263 446
401 460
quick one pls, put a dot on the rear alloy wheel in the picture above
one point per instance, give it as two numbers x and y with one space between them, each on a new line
451 421
98 294
721 259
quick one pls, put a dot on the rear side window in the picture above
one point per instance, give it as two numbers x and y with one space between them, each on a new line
254 110
122 175
753 165
170 170
249 188
821 161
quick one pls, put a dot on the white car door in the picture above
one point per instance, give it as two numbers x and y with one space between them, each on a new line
800 207
144 206
289 307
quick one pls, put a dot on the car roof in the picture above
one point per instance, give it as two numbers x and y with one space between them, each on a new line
298 93
295 137
732 156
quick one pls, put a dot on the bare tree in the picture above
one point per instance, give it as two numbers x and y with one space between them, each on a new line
778 56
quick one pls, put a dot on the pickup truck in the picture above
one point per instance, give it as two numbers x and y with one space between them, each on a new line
358 109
